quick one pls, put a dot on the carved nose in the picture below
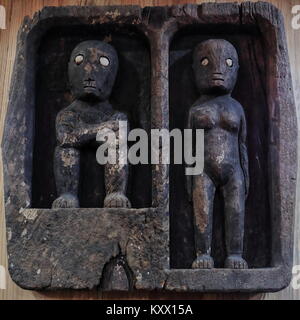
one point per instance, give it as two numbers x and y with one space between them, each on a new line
88 68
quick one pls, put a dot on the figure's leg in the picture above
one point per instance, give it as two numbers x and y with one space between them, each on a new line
203 198
116 177
66 171
234 205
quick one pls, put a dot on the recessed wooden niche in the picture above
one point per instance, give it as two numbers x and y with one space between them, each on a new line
150 246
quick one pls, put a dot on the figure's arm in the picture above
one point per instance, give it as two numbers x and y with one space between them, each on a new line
71 132
113 123
189 179
244 152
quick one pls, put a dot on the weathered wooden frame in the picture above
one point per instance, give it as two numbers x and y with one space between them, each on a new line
27 227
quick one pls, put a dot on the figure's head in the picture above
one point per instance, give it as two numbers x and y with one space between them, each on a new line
93 68
215 65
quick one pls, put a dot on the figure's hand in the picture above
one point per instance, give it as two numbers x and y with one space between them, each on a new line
247 186
116 200
105 130
66 200
247 192
109 125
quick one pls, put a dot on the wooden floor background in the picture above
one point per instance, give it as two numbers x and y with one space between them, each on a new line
15 11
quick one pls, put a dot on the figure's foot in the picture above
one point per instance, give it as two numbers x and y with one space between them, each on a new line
66 200
203 261
116 200
235 262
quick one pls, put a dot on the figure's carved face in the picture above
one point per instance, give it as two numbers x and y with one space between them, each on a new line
93 68
215 65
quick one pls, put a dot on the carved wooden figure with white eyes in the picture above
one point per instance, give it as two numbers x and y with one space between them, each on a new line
215 65
92 69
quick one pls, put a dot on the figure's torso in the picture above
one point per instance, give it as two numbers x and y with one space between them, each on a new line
80 117
221 119
91 114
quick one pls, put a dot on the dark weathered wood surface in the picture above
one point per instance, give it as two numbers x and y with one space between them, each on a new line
16 10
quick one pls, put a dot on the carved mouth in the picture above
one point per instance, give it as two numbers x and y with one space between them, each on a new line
90 87
218 79
91 84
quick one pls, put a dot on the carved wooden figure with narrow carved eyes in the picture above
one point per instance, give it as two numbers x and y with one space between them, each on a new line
93 68
215 65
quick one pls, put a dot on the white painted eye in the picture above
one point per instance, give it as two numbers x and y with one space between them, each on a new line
104 61
204 61
229 62
79 59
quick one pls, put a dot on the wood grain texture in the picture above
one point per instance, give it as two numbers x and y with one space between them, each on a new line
15 11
